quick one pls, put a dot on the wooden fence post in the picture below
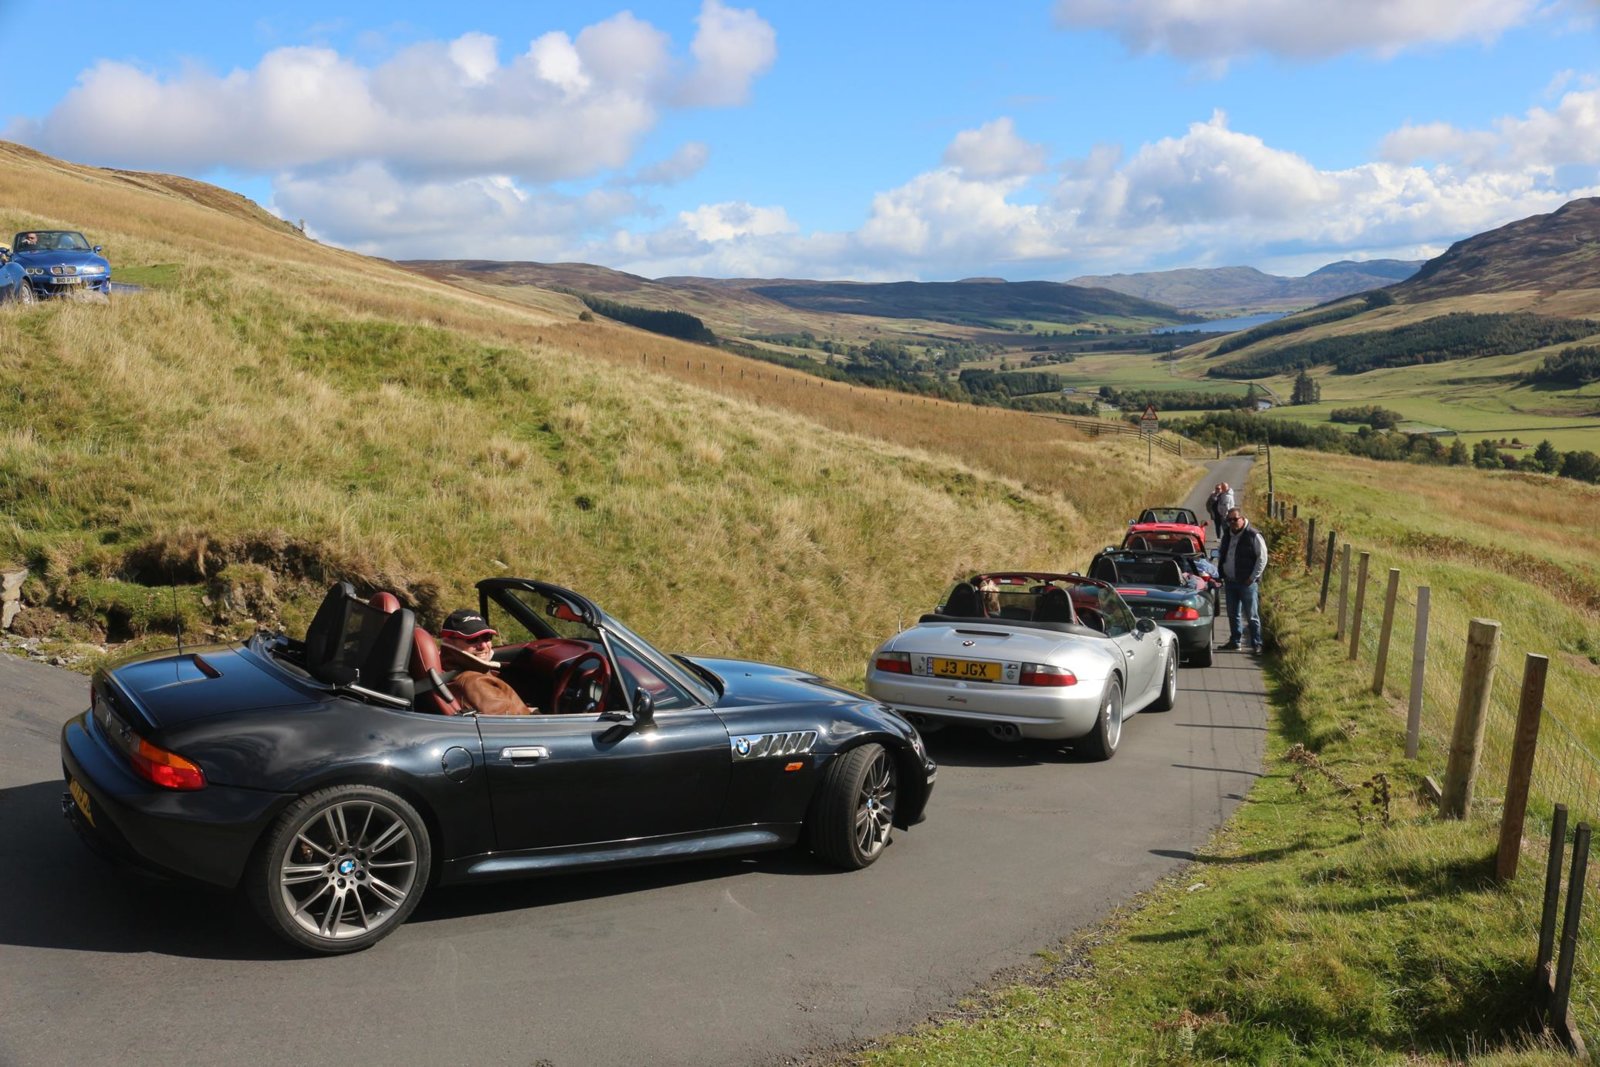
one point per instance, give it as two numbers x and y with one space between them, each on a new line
1552 896
1327 570
1529 711
1419 669
1559 996
1344 590
1383 634
1361 602
1311 541
1466 743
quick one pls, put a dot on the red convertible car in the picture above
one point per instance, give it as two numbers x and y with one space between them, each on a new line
1166 530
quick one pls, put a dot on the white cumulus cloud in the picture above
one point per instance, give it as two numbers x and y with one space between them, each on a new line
565 107
1219 30
994 150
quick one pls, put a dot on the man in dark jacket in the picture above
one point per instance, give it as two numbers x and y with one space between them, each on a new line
1242 557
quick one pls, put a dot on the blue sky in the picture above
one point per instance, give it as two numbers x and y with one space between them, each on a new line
873 141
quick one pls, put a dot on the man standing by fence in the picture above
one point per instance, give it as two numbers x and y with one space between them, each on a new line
1242 558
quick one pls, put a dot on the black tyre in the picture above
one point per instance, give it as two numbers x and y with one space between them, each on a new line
1100 743
1169 683
852 814
1201 657
341 868
25 295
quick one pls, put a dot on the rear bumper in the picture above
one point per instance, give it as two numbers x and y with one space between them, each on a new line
1192 636
207 834
1063 713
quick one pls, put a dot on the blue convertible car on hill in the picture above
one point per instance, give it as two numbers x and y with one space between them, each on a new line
61 261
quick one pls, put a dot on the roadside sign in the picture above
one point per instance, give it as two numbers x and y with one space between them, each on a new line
1148 423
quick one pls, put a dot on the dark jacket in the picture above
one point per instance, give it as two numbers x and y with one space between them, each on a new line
1249 551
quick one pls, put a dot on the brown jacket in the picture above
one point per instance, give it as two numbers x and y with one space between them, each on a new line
478 687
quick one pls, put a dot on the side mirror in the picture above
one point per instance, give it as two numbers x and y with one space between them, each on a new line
1145 626
5 253
644 707
97 249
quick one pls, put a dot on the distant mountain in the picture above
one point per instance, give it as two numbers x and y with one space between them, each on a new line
742 306
1558 252
1243 289
980 302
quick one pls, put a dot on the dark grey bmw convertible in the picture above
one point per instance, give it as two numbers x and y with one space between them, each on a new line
334 778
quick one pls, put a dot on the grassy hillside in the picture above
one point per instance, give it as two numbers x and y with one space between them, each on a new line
270 414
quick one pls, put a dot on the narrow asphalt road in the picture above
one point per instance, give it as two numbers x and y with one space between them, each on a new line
719 962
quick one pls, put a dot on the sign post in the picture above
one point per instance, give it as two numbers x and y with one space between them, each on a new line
1148 425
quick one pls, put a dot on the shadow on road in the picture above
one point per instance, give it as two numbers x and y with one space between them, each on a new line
961 746
57 894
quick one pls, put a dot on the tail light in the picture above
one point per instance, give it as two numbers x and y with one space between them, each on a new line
893 662
150 762
1182 615
1047 674
166 769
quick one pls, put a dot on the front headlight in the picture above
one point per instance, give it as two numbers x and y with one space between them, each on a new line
91 270
36 271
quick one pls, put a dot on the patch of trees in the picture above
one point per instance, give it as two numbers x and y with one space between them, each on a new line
1377 298
679 324
1574 366
890 372
1232 429
1307 390
1379 418
1174 399
1458 335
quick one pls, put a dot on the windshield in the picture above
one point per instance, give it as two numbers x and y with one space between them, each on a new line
49 241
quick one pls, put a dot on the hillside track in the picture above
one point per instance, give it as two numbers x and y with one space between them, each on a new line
719 962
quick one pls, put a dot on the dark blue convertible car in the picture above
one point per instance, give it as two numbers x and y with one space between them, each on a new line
335 778
61 261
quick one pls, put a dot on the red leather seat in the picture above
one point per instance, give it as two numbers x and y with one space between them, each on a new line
427 671
387 603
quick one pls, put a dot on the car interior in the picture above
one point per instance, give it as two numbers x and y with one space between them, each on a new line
1074 610
376 646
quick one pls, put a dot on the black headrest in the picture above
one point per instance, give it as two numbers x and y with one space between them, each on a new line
349 640
1054 606
963 601
327 625
1104 569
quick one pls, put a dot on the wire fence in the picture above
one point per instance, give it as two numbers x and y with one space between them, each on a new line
1566 762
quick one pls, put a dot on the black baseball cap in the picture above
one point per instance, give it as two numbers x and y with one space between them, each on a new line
467 625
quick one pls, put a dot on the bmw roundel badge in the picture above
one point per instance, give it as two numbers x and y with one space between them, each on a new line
741 745
346 866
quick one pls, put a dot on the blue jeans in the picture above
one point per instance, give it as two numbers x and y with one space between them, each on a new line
1244 606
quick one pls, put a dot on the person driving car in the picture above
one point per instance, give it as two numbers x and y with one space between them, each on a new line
466 647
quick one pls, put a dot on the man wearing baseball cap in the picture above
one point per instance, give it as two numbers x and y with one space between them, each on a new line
465 646
468 632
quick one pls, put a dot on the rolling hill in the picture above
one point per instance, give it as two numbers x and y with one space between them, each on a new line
268 414
1245 289
743 307
1539 255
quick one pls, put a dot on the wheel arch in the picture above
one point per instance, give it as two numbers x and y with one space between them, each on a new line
399 785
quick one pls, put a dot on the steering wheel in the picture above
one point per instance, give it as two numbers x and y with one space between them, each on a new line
581 686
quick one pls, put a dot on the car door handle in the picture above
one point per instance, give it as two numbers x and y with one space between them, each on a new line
525 753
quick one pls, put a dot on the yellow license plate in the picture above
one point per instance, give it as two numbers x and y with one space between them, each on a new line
969 669
80 797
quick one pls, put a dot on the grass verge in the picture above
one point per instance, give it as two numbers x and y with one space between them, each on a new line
1334 920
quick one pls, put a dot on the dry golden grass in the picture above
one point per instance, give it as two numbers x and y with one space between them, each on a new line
284 404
